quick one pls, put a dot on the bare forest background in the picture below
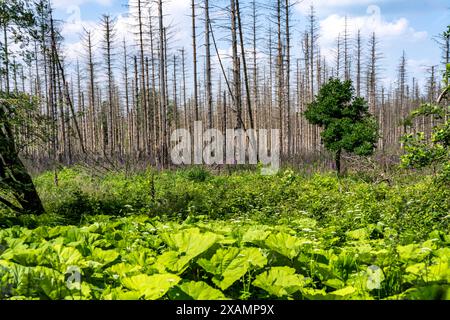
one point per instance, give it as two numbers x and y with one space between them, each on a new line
119 102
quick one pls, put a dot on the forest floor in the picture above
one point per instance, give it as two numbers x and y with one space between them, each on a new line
194 235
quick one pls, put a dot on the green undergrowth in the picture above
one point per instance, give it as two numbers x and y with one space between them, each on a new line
192 234
412 206
144 258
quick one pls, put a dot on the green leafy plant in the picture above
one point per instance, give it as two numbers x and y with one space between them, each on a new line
319 237
346 121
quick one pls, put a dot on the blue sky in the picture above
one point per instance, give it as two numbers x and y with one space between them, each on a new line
400 25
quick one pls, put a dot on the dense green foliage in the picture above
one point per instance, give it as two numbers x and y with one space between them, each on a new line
423 151
414 205
345 118
194 235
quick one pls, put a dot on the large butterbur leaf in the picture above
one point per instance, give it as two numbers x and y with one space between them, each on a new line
142 257
438 271
151 287
186 246
51 283
196 291
226 266
25 257
120 294
172 261
104 256
342 294
15 277
255 234
65 257
229 265
284 244
190 241
123 269
413 252
359 234
280 281
254 257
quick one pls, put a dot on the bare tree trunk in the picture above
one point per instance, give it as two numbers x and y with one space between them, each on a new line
127 98
136 107
401 90
143 85
346 56
194 48
186 122
156 111
358 64
236 68
373 73
175 97
338 57
280 74
6 56
255 68
92 99
163 84
288 78
244 62
108 28
208 66
312 39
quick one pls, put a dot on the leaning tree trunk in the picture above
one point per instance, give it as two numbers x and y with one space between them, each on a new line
13 175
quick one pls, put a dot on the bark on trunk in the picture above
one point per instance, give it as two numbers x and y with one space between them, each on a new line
13 174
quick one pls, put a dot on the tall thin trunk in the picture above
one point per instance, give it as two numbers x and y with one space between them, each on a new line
108 27
346 55
288 78
186 122
127 98
143 85
373 73
236 68
92 99
209 99
6 56
175 97
194 55
156 113
312 39
163 84
255 68
244 65
280 74
358 64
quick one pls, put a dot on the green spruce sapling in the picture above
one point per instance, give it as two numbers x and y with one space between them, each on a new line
345 119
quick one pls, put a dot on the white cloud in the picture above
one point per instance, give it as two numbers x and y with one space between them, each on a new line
175 16
419 67
395 30
325 5
73 51
63 4
178 18
73 25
